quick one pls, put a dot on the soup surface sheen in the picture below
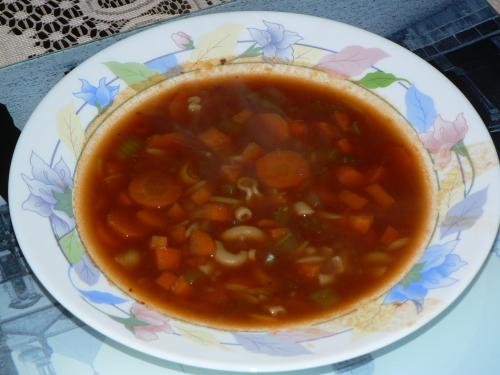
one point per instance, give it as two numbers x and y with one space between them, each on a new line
250 202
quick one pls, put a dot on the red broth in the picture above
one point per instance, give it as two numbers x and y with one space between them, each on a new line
253 202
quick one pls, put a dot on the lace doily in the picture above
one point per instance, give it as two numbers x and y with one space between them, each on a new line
33 27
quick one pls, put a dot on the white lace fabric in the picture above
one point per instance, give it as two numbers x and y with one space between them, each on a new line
31 28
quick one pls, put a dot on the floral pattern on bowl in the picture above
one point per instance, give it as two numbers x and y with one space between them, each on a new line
465 164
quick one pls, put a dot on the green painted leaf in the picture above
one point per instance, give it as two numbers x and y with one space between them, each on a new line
252 51
131 72
413 276
378 79
64 202
129 322
72 246
461 149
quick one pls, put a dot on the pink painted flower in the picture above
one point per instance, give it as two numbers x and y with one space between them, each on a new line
182 40
151 323
442 137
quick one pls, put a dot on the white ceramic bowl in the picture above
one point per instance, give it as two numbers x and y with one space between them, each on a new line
465 163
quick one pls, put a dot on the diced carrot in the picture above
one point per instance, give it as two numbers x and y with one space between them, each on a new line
353 200
349 176
154 189
124 224
361 223
390 235
277 233
182 288
375 174
167 258
309 270
166 280
158 241
274 125
298 129
325 194
124 199
215 139
267 223
379 195
215 212
152 217
201 243
178 106
115 182
178 234
343 120
202 195
282 169
113 167
326 131
230 172
242 116
169 141
176 212
345 146
251 152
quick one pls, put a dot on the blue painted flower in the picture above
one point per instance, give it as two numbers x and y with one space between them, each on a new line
431 272
50 193
275 41
100 96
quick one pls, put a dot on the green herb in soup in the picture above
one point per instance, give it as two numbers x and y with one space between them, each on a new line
252 201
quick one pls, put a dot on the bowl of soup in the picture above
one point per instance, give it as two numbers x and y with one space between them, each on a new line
237 192
252 197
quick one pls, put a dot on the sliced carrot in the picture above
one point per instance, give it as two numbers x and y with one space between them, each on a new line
106 235
274 126
349 176
298 129
230 172
353 200
390 235
176 212
277 233
182 288
309 270
215 212
152 217
154 189
178 234
242 116
282 169
158 241
251 152
345 146
166 280
124 199
167 258
215 139
343 120
361 223
202 195
124 224
379 195
201 243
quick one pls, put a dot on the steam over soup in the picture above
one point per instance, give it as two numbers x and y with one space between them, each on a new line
253 201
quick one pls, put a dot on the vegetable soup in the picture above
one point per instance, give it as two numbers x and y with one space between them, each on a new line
253 201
